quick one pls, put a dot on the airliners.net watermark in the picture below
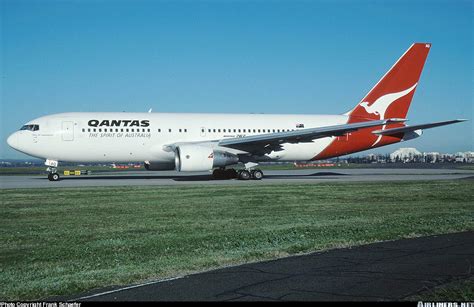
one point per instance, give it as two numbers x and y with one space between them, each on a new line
445 304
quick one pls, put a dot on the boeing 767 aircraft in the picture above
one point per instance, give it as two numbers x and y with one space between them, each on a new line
205 142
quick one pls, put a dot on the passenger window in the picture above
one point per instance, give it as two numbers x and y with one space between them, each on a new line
169 130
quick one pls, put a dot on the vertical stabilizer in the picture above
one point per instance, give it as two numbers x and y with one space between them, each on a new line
392 95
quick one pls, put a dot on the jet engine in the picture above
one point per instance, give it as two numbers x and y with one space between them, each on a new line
159 166
196 158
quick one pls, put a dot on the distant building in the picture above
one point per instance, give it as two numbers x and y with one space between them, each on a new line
406 155
469 156
431 157
464 157
412 155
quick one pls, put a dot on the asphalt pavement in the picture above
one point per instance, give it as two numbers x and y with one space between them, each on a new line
143 178
386 271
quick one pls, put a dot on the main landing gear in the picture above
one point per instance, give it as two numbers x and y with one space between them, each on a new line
243 174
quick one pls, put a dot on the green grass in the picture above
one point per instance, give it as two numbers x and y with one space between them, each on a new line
65 241
466 167
458 291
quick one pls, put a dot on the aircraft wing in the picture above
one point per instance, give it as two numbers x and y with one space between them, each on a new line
416 127
266 143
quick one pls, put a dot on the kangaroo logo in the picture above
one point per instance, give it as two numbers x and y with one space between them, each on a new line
380 106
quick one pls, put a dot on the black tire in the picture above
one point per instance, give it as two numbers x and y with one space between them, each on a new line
231 173
244 175
218 174
53 177
257 174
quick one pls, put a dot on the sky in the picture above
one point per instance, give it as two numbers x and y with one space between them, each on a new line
311 57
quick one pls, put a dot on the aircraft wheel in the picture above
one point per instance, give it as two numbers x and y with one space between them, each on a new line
257 174
244 174
231 173
53 177
218 174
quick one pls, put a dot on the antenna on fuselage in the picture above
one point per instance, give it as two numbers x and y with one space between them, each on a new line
149 111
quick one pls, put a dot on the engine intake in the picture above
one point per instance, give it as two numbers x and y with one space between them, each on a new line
196 158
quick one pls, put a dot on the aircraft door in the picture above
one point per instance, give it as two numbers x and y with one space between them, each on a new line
68 131
203 131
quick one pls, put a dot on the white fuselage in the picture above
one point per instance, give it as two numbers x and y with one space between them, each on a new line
138 137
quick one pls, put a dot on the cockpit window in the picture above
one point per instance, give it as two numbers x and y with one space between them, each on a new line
30 127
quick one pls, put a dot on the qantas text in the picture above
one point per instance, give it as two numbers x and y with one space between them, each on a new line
119 123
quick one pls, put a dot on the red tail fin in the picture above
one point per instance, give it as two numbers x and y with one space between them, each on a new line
389 98
392 95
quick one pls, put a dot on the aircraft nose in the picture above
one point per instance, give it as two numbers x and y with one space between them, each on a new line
13 140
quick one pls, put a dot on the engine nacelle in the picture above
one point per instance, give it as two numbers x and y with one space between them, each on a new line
196 158
159 166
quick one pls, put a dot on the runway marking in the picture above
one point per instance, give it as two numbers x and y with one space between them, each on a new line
407 251
232 266
125 288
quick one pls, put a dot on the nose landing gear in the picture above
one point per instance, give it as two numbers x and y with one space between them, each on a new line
52 170
53 176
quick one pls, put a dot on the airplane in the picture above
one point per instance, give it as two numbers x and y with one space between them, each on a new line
189 142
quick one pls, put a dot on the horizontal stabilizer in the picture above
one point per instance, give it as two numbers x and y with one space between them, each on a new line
416 127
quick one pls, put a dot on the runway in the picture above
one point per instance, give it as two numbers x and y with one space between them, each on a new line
394 270
142 178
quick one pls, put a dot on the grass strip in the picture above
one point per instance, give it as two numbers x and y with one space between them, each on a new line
66 241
